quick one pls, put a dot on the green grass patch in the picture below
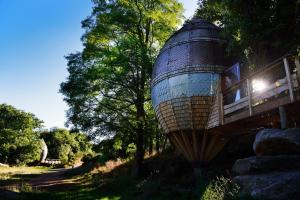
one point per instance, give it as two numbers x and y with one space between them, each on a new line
23 170
19 175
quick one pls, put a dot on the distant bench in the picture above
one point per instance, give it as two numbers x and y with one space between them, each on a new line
52 161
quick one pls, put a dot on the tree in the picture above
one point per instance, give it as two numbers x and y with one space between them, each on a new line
109 82
66 146
19 138
259 31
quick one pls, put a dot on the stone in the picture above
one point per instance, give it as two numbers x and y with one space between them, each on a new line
261 164
274 185
277 142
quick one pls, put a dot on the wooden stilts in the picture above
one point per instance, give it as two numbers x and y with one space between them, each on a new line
195 142
217 148
188 146
203 146
211 145
173 140
181 144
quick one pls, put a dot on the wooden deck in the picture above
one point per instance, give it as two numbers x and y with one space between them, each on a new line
233 116
256 109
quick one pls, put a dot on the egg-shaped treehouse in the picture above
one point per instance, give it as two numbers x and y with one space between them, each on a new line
185 82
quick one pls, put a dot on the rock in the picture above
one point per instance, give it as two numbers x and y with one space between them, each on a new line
277 142
6 194
266 164
275 185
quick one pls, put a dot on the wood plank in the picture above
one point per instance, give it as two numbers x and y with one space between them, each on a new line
272 104
236 102
236 108
273 90
270 93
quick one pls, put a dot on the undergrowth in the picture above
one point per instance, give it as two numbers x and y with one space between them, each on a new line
164 178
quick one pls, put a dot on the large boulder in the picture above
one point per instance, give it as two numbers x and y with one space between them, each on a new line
262 164
277 142
275 185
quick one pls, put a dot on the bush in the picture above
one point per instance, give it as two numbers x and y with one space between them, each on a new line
221 189
19 140
66 146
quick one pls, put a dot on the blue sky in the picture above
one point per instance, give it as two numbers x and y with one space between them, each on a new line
35 35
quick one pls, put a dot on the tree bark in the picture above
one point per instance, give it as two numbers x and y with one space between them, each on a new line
157 142
139 155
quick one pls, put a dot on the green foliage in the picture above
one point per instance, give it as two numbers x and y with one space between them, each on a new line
19 139
221 189
66 146
259 31
108 89
131 149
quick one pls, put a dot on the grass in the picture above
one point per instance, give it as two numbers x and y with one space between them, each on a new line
15 175
165 178
23 170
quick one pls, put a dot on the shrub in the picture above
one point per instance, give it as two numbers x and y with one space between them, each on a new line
221 189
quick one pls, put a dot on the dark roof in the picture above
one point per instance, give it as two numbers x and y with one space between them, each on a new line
197 23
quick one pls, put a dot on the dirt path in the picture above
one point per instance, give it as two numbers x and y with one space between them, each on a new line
54 178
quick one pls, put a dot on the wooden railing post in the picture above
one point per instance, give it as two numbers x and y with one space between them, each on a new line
221 108
249 91
288 78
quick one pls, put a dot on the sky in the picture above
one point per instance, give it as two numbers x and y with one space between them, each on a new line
35 35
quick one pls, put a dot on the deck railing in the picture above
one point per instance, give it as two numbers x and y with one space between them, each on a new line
279 78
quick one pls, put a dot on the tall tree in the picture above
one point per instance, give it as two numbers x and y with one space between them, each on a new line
109 82
19 137
258 30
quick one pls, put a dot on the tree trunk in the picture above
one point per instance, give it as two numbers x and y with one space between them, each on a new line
157 142
150 145
139 155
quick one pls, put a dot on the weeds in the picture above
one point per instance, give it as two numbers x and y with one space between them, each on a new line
221 189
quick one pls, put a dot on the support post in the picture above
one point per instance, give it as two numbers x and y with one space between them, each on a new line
249 91
297 63
283 119
221 108
289 80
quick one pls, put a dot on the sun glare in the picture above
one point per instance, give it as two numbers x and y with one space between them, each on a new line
259 85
